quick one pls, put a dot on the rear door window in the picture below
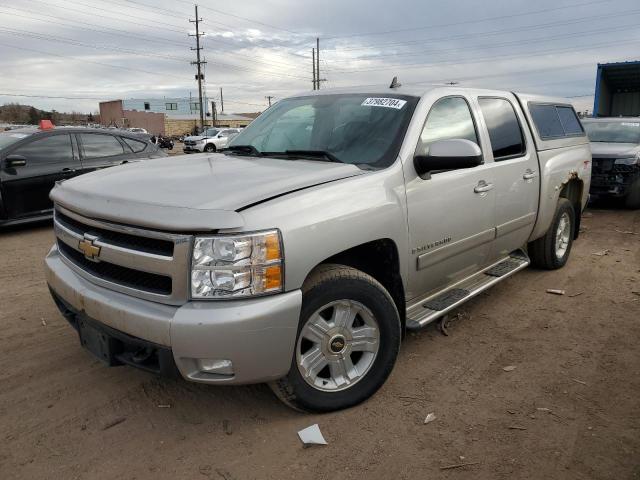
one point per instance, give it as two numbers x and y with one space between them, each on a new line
555 121
504 128
96 145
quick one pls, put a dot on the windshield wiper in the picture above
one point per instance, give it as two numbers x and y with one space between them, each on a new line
245 150
314 154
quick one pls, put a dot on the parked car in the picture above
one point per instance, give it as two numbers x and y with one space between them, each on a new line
32 160
211 140
337 220
615 146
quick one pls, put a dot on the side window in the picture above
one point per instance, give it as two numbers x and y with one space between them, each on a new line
448 118
136 145
53 149
546 120
96 145
569 121
504 128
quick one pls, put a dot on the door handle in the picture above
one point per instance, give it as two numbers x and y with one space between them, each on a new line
529 174
68 170
483 187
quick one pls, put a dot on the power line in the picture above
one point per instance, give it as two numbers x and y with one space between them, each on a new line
518 30
492 45
467 22
258 22
91 61
535 53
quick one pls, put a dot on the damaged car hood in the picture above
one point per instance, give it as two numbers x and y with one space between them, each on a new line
195 192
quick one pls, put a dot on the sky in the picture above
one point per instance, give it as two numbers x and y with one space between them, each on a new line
85 51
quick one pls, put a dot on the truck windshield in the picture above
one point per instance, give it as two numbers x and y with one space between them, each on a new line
364 129
613 132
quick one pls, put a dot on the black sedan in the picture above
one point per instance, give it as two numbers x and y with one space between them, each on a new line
33 159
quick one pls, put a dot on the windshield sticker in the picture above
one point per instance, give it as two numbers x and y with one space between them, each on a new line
629 124
384 102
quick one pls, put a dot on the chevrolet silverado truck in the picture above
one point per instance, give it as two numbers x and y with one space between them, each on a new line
335 222
615 147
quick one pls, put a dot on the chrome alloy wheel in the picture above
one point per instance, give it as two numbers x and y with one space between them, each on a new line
337 345
563 233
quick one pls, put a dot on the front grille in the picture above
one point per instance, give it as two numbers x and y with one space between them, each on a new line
189 142
602 165
128 277
133 242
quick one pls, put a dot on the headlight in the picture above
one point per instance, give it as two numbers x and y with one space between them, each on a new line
627 161
237 265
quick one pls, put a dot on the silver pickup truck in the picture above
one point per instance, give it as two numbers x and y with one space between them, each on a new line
335 222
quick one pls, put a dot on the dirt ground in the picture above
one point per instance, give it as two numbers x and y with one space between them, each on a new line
569 410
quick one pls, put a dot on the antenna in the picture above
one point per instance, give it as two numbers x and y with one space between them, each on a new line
395 83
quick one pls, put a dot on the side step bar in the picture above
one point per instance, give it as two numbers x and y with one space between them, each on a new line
429 308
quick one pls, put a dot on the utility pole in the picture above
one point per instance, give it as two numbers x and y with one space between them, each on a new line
269 97
221 101
199 63
214 114
318 62
313 62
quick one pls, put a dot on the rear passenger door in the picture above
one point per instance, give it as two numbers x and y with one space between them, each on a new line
100 150
515 172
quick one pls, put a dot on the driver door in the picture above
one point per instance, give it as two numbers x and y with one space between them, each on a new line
451 213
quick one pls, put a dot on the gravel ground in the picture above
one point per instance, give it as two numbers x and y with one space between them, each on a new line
569 409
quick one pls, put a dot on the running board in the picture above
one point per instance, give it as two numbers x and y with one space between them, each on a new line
431 307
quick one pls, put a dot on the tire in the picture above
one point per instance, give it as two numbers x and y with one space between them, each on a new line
328 294
632 199
552 250
209 148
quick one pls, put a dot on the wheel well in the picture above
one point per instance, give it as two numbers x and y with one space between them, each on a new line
572 191
379 259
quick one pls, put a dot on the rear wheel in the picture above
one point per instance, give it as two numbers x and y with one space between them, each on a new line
348 341
209 148
632 200
552 250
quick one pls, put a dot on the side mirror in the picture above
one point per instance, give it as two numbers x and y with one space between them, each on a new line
13 161
450 154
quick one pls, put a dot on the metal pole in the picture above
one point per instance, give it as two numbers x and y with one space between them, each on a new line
221 101
199 63
313 61
318 62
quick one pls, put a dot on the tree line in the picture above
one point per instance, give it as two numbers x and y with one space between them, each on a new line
28 115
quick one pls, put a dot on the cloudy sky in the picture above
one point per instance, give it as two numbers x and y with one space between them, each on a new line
84 51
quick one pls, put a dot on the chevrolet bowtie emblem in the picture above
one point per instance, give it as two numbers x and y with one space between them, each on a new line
90 250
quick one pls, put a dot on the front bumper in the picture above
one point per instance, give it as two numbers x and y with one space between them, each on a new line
257 335
615 180
193 148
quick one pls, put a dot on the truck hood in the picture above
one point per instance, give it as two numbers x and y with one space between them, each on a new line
614 150
191 193
197 138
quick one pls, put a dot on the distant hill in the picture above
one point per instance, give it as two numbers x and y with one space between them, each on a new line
26 114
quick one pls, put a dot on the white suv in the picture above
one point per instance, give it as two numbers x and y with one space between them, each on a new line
211 140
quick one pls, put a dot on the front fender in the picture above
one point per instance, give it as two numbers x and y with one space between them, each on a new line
322 221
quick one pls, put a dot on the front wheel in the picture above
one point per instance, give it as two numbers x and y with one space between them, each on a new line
348 341
552 250
209 148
